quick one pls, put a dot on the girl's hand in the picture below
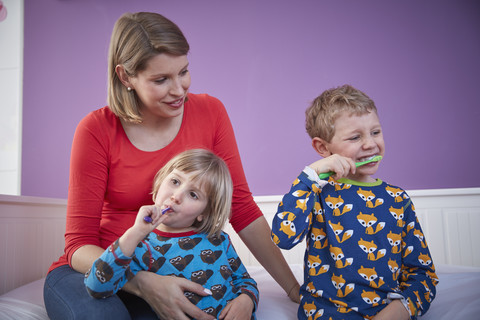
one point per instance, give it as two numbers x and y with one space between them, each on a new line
165 294
153 212
240 308
130 239
342 166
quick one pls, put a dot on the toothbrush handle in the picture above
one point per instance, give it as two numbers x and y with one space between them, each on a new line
325 175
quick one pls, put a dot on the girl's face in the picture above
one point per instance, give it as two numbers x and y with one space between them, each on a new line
358 138
187 200
162 87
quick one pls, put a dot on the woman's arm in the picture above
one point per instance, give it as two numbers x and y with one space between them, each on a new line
256 237
86 191
83 257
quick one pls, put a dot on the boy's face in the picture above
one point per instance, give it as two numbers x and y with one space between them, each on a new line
358 138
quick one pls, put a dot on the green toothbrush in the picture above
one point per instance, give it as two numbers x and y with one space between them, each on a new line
325 175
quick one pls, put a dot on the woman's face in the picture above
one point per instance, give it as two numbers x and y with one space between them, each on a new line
162 87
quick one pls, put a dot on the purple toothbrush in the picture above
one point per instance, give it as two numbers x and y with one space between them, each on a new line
149 219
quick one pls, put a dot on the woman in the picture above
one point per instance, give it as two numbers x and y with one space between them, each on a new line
116 152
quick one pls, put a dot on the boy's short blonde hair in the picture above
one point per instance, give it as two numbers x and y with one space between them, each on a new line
213 175
325 109
136 38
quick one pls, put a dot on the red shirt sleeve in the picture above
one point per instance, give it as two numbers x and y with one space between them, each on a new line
87 185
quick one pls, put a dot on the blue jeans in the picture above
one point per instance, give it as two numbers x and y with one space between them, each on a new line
66 297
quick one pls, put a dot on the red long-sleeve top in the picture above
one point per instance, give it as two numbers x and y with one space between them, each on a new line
110 179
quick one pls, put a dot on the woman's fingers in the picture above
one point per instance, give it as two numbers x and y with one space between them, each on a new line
165 294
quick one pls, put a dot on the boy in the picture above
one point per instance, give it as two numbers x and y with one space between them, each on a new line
366 255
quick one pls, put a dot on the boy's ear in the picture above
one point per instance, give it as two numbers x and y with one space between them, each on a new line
321 147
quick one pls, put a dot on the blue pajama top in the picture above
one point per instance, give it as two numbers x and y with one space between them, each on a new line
211 262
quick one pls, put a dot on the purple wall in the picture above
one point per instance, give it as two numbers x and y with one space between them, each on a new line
419 60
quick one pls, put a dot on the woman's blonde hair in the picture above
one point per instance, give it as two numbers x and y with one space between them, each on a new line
213 175
325 109
136 38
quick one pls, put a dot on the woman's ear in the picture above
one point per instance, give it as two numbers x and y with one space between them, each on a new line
122 75
321 147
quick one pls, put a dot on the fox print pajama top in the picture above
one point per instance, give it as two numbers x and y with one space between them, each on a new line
365 247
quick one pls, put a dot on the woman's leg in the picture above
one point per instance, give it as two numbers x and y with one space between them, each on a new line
66 298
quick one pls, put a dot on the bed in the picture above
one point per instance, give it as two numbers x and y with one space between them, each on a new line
458 297
452 232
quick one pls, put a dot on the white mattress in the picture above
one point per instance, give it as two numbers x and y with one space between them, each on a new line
458 297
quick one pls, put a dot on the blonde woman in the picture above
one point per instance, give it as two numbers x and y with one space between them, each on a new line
116 153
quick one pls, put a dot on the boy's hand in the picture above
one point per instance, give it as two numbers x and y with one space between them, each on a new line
239 308
394 311
342 166
294 293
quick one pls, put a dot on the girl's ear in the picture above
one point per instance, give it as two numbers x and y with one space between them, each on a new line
200 218
122 75
321 147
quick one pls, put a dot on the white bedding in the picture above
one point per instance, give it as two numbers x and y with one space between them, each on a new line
458 297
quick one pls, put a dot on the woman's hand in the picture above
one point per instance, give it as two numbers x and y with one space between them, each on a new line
240 308
165 294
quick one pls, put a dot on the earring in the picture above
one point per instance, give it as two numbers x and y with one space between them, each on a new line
129 89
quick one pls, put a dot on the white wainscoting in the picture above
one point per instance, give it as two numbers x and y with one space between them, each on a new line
450 219
32 229
31 238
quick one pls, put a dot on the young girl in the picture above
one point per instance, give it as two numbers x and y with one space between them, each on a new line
181 235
